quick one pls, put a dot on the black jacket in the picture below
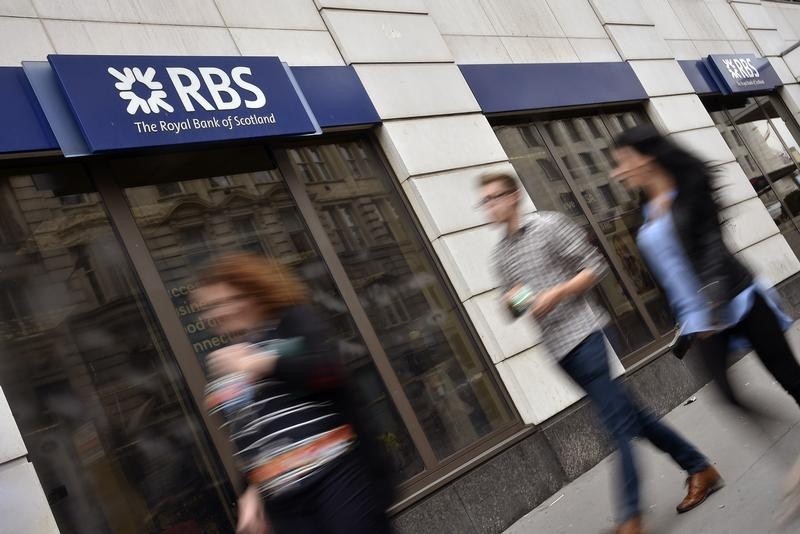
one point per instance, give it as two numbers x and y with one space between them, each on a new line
722 276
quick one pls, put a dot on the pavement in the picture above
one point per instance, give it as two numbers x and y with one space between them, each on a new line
753 457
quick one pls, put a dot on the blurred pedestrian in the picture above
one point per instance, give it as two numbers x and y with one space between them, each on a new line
718 303
548 269
287 406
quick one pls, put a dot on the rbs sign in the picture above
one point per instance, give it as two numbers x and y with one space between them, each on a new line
187 87
144 101
742 73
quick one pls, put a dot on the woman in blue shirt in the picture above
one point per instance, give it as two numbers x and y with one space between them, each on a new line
715 298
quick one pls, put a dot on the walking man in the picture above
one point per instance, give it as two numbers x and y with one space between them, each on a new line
548 267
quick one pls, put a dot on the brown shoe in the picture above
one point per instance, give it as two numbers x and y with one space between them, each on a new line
631 526
701 485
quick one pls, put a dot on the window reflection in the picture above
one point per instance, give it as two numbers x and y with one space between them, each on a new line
102 409
442 374
760 138
260 215
583 146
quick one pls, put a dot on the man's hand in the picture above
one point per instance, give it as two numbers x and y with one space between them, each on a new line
252 519
546 301
240 358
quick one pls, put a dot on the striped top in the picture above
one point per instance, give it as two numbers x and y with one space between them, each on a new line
289 426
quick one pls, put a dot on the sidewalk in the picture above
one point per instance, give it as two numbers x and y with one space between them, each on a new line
752 461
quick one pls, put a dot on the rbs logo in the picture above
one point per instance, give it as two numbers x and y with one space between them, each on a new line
146 94
741 68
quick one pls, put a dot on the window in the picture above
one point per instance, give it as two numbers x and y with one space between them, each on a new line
321 165
295 230
346 232
530 137
405 316
194 245
765 143
549 169
581 188
591 200
589 163
99 398
568 163
751 165
220 182
266 177
416 321
594 128
553 133
83 267
73 200
246 233
574 134
350 160
303 167
608 195
14 309
569 204
169 189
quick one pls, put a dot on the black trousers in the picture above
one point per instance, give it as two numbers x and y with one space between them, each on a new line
763 330
343 500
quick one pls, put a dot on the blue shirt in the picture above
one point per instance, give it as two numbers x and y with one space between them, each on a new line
659 242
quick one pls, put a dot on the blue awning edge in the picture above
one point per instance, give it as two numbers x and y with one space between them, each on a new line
23 127
514 87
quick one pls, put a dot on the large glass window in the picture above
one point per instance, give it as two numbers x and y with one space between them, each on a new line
100 402
567 169
443 376
763 137
226 219
450 402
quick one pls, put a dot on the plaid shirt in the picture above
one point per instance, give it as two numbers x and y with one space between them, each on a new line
547 250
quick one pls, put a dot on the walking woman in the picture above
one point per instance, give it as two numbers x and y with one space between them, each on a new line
715 298
287 406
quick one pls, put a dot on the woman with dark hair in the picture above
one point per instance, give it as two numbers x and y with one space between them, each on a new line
286 403
715 298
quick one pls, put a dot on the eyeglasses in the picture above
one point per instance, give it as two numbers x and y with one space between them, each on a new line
488 199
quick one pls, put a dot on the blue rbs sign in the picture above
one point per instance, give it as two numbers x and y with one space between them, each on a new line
147 101
742 73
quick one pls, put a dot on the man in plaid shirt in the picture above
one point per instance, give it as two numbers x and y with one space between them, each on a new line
549 256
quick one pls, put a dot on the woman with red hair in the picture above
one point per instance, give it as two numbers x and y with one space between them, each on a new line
284 396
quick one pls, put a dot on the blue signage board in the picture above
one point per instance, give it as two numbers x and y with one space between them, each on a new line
23 127
514 87
122 102
742 73
336 96
702 80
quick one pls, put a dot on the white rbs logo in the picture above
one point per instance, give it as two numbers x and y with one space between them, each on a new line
187 86
741 68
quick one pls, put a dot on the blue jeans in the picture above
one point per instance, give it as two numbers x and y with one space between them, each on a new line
587 365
